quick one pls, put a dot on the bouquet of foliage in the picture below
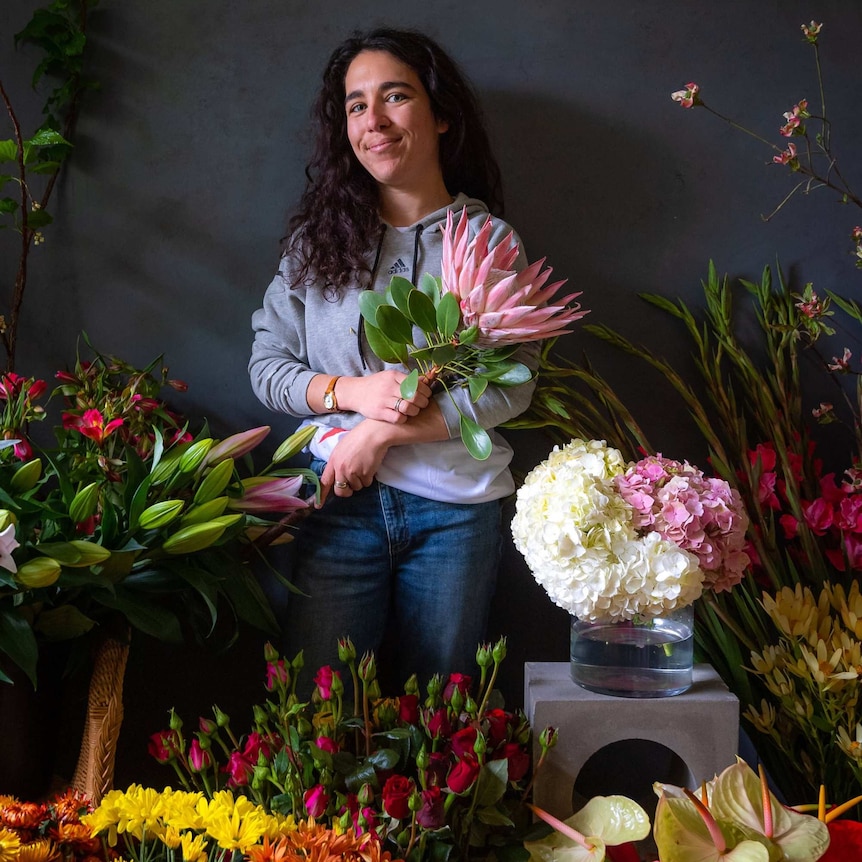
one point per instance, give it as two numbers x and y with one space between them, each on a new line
430 777
129 515
776 650
54 829
164 825
615 541
464 328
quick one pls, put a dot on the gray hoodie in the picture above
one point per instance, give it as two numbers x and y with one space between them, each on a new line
304 331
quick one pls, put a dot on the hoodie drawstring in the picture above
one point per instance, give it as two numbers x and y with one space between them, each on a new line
416 237
373 276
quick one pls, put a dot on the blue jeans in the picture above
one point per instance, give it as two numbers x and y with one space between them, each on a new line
385 565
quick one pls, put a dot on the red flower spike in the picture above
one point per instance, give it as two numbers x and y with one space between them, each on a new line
767 801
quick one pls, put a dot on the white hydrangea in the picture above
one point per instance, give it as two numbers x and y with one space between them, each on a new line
577 536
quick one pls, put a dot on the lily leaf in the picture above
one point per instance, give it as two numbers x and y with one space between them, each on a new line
475 438
477 385
18 642
448 315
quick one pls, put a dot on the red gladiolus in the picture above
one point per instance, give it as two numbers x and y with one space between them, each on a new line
463 741
432 815
519 760
463 774
163 746
316 799
408 708
461 681
396 796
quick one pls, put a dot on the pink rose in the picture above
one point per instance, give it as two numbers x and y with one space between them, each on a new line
323 681
316 799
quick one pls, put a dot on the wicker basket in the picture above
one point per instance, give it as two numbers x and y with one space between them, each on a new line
94 774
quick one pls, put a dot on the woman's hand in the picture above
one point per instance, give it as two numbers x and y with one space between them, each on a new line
355 460
377 396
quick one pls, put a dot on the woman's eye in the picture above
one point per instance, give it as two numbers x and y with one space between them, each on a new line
355 108
395 97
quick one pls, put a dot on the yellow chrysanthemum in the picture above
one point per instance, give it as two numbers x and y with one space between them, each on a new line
237 831
194 847
10 844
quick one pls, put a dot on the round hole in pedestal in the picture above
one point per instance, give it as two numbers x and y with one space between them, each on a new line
629 767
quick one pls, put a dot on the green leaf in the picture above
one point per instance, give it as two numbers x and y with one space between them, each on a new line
421 311
18 642
448 315
492 781
475 438
493 817
8 151
248 599
398 293
509 373
477 385
468 335
384 348
443 355
39 218
369 302
394 325
46 138
143 614
48 167
8 205
430 287
409 384
384 758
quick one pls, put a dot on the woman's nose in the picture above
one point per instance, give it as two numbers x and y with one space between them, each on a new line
376 116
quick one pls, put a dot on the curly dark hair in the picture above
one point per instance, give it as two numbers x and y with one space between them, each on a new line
337 219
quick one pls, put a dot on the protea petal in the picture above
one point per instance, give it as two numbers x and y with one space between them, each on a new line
507 306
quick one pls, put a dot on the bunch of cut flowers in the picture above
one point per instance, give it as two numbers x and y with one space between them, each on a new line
129 515
465 328
164 825
49 830
428 776
615 541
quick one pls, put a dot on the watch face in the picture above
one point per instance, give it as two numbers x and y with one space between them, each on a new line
329 401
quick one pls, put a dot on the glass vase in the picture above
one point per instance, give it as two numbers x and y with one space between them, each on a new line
643 657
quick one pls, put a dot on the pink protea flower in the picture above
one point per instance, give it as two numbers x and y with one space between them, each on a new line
508 307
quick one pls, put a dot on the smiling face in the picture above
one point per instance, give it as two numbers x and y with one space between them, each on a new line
391 125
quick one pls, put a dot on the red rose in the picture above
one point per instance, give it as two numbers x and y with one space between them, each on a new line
256 745
326 743
519 760
498 726
240 770
457 680
408 708
432 814
323 681
163 746
438 766
463 741
396 796
438 724
463 774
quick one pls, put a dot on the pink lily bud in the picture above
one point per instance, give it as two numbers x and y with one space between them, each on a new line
199 757
261 494
236 445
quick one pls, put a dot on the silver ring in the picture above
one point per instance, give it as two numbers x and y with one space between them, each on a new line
397 407
342 484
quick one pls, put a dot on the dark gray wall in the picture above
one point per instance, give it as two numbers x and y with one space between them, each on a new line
191 155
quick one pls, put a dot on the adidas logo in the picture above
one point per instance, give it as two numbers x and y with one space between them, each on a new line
397 268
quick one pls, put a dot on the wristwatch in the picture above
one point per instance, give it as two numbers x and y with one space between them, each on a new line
329 400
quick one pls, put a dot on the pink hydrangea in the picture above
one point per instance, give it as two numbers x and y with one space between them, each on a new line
702 515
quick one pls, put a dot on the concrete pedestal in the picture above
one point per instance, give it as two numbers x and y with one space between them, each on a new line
695 732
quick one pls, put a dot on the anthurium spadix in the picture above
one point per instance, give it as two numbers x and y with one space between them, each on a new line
584 837
465 328
739 820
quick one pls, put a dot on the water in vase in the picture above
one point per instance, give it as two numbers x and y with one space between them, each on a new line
643 658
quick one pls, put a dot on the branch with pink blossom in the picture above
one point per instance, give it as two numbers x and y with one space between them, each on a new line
806 153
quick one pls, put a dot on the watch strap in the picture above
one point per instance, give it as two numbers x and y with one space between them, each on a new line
329 394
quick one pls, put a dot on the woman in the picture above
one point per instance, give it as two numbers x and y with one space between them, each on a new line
409 537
